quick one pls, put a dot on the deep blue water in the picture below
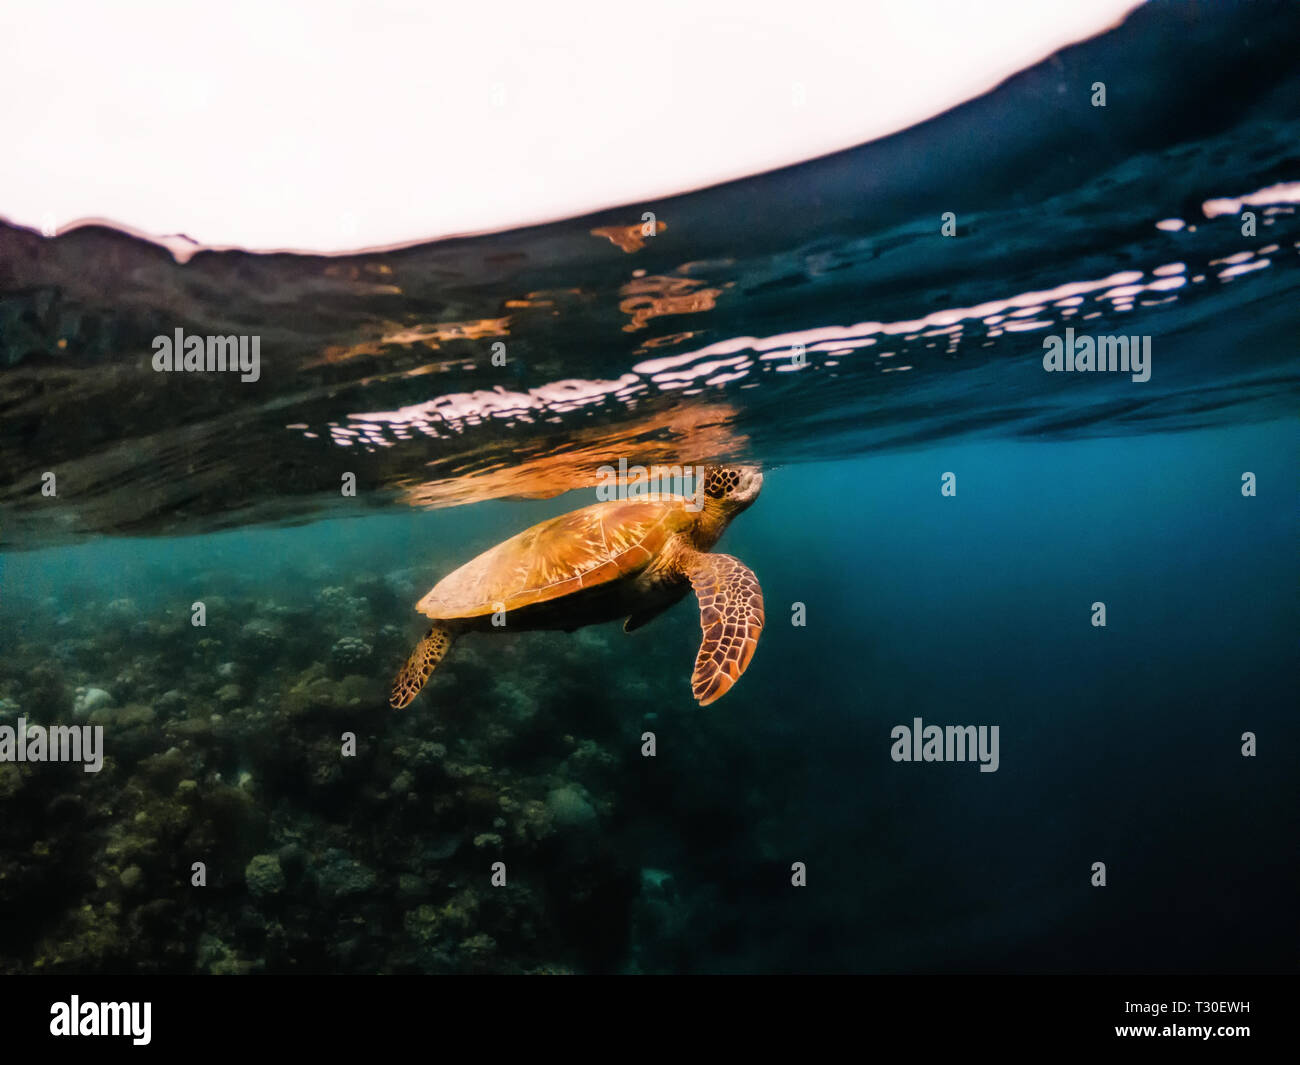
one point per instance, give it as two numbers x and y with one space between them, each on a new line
1119 744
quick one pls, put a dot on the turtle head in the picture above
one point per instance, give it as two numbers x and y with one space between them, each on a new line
726 491
732 487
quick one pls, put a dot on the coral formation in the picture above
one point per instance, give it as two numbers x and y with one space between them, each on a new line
225 749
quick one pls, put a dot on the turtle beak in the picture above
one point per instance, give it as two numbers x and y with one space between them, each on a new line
751 483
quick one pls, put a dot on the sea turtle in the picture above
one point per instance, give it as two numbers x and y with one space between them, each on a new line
630 558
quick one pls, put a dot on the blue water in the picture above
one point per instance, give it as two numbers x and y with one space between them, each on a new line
1120 744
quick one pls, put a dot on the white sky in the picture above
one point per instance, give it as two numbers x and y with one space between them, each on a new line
339 124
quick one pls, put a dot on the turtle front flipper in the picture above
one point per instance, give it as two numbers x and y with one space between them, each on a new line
731 618
420 666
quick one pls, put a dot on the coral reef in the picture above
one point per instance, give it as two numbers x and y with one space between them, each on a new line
350 654
260 809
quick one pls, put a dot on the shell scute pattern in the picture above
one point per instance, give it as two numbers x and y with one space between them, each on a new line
597 544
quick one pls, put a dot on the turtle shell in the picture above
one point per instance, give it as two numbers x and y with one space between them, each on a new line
584 548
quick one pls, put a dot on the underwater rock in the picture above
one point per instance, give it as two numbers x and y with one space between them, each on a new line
197 728
341 876
73 654
658 885
355 691
569 808
170 701
166 769
342 610
477 950
293 861
589 758
422 925
219 959
532 820
260 641
63 811
264 876
89 700
514 702
229 695
121 611
663 923
311 689
405 584
315 691
133 715
424 754
228 822
84 940
137 676
411 888
12 776
460 912
350 654
396 838
440 848
380 597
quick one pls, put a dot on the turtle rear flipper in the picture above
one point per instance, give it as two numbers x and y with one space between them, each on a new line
731 618
420 666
